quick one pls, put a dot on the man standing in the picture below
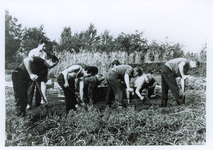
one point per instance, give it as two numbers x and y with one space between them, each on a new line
114 86
172 69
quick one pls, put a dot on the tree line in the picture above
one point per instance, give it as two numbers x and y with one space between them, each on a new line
19 42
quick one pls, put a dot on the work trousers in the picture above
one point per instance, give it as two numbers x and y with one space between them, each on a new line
20 79
114 86
30 93
42 77
90 88
151 91
69 92
168 80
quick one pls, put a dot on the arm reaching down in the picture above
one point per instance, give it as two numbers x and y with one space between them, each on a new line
27 64
126 79
71 69
139 84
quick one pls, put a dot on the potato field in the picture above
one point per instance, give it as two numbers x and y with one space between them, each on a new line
140 124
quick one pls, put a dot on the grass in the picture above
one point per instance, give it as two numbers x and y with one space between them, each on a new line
141 124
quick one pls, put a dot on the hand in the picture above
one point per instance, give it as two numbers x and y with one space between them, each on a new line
129 89
185 76
66 85
142 98
150 87
33 77
183 93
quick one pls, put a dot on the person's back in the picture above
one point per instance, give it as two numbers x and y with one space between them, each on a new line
174 65
38 52
121 70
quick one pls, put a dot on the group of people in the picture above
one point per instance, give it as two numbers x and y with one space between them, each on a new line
83 79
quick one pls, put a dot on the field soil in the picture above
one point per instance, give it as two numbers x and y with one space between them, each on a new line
142 123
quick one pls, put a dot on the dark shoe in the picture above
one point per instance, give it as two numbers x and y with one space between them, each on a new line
128 101
108 104
91 101
113 106
120 107
23 114
163 103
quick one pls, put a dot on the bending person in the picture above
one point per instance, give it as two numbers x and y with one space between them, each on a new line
114 86
172 69
22 76
67 82
145 82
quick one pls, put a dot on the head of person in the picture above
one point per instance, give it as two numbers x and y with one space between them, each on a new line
150 72
94 70
137 71
192 64
52 60
115 63
43 42
88 71
149 77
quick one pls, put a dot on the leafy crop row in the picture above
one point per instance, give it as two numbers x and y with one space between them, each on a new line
141 124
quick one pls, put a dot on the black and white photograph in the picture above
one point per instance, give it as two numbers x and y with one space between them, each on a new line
107 74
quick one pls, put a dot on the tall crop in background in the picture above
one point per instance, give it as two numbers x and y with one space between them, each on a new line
102 60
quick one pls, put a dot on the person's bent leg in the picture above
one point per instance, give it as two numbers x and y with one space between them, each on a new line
175 91
20 81
38 95
91 89
165 88
117 90
43 89
30 92
72 97
66 91
109 95
17 90
170 79
151 91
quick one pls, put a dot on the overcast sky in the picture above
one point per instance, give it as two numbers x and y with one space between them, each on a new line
188 22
